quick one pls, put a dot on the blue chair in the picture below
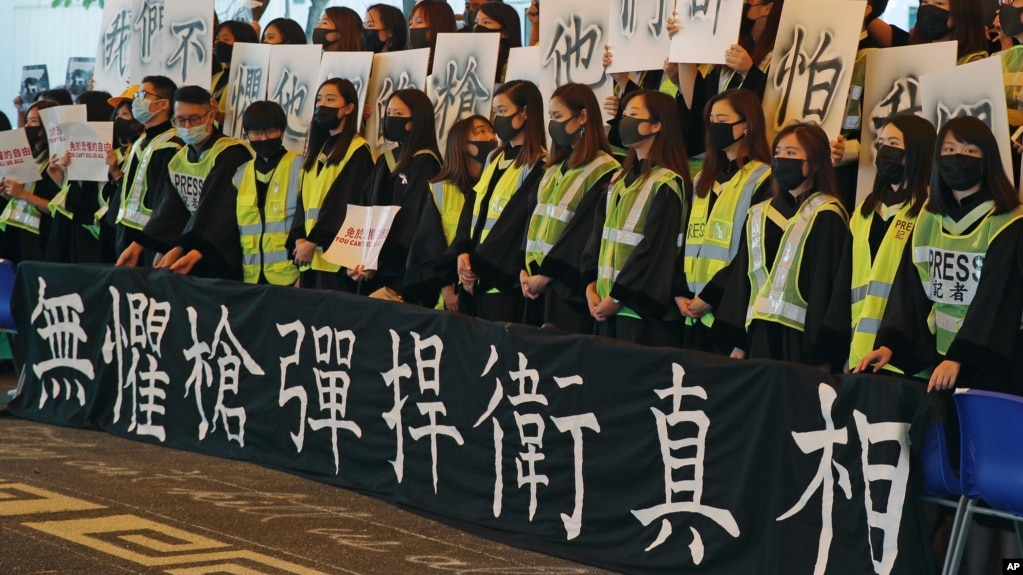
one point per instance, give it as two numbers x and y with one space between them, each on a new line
991 464
940 480
7 272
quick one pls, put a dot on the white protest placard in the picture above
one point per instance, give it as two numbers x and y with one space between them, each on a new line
16 162
892 87
708 29
392 71
53 118
523 64
187 48
88 144
113 54
79 75
361 236
246 83
352 66
34 80
572 38
812 64
637 34
973 89
462 83
292 84
147 38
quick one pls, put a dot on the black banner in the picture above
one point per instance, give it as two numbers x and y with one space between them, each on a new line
636 459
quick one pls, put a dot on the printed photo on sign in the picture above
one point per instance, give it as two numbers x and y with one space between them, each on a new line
812 64
572 38
462 83
892 88
246 83
16 160
708 29
79 75
147 38
638 34
188 42
973 89
292 84
53 118
352 66
113 54
34 80
392 72
88 144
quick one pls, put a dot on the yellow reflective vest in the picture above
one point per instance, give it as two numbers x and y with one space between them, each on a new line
133 212
315 185
265 233
20 213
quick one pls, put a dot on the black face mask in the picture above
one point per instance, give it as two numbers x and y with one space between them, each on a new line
932 22
320 36
628 130
267 148
722 135
224 52
788 172
327 118
127 131
1009 16
417 38
36 138
483 30
394 128
960 172
371 41
560 135
505 130
889 163
483 150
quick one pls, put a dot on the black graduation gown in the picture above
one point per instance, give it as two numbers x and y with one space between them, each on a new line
69 240
22 245
213 228
816 345
705 88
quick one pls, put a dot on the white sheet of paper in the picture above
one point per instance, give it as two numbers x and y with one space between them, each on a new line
291 83
572 38
147 39
361 236
53 118
708 28
392 71
246 83
188 42
113 52
16 160
462 83
352 66
638 34
88 144
523 64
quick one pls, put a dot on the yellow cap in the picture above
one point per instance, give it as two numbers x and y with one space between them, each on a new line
125 96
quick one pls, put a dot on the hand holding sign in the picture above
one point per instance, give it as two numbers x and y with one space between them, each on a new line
358 243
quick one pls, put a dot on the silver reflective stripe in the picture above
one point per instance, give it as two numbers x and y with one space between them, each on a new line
438 194
775 306
132 211
637 208
947 322
558 212
489 224
539 246
623 237
697 287
868 325
756 238
874 288
680 240
21 211
269 228
267 258
312 214
922 254
712 252
607 273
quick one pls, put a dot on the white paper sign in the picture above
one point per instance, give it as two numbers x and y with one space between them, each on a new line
362 236
572 38
88 144
53 118
246 84
113 54
147 38
708 28
392 71
352 66
462 83
292 84
638 34
523 64
16 160
187 49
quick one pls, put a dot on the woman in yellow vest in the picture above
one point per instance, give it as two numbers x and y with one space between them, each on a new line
629 265
736 174
881 228
489 237
792 249
576 179
268 189
408 260
469 142
336 170
956 301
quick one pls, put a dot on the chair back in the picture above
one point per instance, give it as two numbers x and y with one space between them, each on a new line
7 272
991 467
940 479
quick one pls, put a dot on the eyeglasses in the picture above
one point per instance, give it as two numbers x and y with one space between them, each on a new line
142 95
189 121
262 134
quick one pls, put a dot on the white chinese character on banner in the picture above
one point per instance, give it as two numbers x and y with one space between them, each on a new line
62 330
228 355
889 520
693 466
823 441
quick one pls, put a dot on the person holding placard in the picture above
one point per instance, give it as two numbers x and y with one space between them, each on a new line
384 29
469 143
268 191
629 264
488 242
195 226
228 33
940 21
339 30
503 19
283 31
425 21
793 246
336 168
127 132
575 181
736 174
626 83
25 220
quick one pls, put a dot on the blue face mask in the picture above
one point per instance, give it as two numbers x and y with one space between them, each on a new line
140 110
193 136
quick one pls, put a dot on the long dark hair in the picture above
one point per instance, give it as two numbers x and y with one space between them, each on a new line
593 140
759 49
753 146
918 138
970 130
667 150
526 96
348 26
511 28
423 135
968 29
291 31
818 155
318 136
456 163
440 19
393 20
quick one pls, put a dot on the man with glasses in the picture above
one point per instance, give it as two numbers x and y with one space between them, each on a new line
131 209
194 224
